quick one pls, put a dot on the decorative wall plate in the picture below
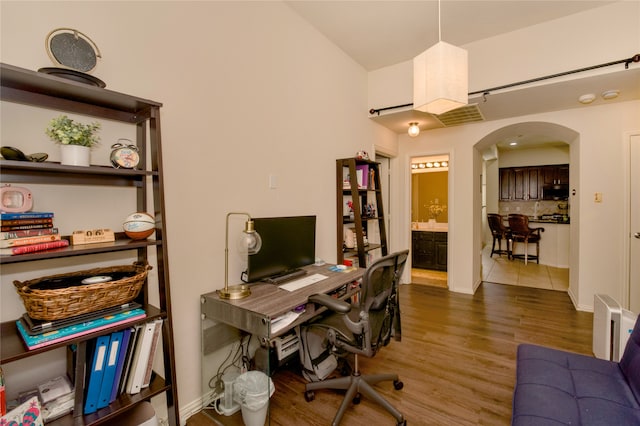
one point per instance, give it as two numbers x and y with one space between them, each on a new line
74 53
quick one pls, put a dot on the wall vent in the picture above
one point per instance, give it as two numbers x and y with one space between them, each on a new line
463 115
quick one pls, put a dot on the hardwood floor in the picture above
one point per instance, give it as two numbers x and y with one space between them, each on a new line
456 358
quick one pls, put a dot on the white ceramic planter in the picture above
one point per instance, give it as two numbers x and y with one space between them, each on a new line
75 155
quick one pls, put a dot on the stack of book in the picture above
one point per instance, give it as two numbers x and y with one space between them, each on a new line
39 333
28 232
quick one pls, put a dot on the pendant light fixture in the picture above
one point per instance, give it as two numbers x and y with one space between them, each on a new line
440 77
414 129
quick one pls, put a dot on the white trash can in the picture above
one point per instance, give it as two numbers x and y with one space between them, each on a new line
252 391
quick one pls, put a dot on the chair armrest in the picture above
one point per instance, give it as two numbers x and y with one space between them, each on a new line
536 230
331 303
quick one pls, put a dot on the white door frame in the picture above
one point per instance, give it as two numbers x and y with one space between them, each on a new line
631 286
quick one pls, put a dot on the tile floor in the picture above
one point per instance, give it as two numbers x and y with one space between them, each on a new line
503 271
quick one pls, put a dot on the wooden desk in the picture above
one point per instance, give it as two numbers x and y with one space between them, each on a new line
254 313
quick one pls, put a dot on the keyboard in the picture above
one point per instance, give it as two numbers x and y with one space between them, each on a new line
287 276
303 282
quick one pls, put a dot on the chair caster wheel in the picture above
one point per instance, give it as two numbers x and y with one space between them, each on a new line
402 423
356 399
309 396
397 384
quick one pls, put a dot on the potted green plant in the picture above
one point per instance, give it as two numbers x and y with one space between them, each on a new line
75 139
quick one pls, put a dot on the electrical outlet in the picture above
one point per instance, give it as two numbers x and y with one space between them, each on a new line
597 197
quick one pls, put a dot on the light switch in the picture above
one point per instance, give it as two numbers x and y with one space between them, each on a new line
598 197
273 181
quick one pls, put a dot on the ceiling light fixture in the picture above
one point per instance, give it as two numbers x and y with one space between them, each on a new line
440 77
414 130
430 165
587 98
610 94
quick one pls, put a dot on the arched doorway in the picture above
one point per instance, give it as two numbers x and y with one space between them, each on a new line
538 144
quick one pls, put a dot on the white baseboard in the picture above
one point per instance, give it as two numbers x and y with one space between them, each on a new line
194 407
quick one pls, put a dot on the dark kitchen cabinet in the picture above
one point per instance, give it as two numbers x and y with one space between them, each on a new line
520 184
507 184
555 175
429 250
527 183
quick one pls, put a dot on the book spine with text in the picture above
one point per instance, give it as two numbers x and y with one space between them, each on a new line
15 242
33 221
26 215
32 248
7 228
28 233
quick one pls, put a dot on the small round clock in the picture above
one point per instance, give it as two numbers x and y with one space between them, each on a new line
124 155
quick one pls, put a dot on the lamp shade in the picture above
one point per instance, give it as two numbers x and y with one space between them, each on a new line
440 79
249 241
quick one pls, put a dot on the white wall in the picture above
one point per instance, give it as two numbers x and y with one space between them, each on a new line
249 90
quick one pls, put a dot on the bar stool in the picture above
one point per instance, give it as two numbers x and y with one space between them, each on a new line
499 233
520 232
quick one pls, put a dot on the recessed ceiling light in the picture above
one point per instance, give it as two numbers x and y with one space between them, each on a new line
610 94
513 143
587 98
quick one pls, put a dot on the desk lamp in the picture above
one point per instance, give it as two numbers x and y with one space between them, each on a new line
249 243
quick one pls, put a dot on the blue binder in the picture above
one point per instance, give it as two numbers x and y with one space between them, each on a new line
96 373
122 356
111 364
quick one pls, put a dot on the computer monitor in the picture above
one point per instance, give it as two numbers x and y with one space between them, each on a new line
288 243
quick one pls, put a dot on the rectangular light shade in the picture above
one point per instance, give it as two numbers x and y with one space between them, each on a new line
440 79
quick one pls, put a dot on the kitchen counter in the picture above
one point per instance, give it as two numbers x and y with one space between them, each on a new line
554 244
430 226
557 221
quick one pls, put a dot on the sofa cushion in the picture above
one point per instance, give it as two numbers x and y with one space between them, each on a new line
555 387
630 362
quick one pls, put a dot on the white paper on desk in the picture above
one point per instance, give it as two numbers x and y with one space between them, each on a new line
282 321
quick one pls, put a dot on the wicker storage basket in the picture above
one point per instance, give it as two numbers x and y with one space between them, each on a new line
59 303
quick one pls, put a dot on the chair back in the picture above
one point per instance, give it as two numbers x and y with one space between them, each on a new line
379 300
519 224
496 225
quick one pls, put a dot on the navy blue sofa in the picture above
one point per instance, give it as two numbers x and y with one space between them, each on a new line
555 387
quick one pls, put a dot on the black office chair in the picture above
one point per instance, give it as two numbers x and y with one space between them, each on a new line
362 329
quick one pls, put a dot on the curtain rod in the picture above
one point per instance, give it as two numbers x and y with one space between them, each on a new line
626 62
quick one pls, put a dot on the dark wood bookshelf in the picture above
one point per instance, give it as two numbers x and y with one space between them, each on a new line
27 87
359 196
